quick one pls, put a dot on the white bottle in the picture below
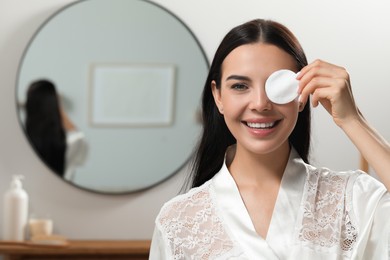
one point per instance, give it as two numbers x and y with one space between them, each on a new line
15 211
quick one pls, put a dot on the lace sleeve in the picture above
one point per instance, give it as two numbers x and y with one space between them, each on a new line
191 229
328 221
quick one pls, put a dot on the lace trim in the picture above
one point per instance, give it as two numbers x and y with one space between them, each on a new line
328 218
193 228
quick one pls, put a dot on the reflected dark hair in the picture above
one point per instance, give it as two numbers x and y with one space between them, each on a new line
44 125
216 136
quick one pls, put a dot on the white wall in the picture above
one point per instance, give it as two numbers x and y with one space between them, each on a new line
351 33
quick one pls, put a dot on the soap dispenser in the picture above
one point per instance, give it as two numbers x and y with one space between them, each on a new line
15 211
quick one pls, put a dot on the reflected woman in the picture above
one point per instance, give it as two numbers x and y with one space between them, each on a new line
52 134
44 124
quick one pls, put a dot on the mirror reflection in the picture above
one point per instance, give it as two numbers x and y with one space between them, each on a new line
125 83
53 135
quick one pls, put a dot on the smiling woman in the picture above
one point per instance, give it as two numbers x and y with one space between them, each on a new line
129 76
254 193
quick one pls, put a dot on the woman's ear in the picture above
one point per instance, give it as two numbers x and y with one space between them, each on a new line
217 96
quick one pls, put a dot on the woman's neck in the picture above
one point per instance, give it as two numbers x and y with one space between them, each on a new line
248 168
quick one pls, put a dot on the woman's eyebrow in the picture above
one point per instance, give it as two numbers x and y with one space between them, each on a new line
238 77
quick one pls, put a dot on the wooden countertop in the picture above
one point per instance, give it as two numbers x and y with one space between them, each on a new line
92 247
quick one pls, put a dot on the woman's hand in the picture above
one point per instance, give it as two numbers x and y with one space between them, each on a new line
329 85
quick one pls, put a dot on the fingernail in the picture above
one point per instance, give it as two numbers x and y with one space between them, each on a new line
300 106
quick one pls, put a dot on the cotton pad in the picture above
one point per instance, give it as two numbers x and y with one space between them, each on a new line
282 86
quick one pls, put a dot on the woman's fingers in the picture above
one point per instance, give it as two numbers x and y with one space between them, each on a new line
332 85
320 68
329 85
315 73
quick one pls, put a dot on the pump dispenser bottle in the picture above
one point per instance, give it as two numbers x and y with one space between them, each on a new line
15 211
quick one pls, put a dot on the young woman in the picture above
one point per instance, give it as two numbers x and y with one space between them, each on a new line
255 195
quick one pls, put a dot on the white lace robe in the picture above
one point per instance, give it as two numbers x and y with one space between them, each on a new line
319 214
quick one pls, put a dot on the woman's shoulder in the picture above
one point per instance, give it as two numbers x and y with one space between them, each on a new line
327 174
323 170
191 227
186 206
338 205
357 180
74 136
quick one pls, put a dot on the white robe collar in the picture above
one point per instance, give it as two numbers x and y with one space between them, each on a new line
282 226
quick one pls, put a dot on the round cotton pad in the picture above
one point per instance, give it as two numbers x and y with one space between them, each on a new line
282 86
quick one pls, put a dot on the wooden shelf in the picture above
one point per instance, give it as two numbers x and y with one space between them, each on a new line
77 250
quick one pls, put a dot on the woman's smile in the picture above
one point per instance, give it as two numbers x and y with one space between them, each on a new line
259 125
261 128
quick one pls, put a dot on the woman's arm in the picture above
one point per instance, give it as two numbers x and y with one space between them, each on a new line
373 147
66 122
329 85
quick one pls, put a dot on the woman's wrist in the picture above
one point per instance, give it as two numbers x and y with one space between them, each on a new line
352 122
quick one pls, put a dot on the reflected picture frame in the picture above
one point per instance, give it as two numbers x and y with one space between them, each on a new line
131 95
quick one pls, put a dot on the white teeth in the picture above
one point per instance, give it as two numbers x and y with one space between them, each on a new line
261 125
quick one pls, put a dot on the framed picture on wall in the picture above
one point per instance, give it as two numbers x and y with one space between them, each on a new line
131 94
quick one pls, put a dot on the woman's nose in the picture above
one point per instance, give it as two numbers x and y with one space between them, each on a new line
259 100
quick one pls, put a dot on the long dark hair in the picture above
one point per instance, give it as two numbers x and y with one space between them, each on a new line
44 125
216 136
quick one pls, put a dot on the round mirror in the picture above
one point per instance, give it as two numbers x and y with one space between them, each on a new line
128 77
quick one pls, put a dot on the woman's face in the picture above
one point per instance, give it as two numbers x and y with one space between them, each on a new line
258 125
